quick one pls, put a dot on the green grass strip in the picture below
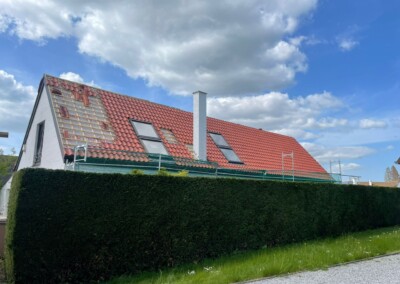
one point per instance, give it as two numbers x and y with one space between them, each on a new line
313 255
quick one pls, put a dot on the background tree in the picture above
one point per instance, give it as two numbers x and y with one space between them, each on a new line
395 174
6 167
388 174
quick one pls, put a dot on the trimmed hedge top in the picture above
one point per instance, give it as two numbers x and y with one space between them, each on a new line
68 226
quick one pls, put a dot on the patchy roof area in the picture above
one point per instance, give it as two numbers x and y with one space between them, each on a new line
393 183
104 120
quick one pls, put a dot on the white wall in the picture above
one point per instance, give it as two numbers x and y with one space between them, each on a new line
52 158
4 195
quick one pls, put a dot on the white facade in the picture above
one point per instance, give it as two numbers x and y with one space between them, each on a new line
51 158
200 125
4 195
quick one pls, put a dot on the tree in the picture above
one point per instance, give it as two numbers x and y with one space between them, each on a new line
13 151
1 152
395 174
388 174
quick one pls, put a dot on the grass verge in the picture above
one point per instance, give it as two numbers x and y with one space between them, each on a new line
313 255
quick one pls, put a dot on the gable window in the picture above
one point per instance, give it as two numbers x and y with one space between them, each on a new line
228 152
38 144
149 137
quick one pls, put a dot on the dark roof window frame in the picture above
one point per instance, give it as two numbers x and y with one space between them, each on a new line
150 135
225 148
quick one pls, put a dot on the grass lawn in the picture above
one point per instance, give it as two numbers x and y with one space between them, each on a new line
311 255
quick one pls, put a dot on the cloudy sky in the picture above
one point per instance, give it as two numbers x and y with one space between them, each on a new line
325 72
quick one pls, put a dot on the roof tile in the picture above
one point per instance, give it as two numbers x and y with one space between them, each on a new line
257 149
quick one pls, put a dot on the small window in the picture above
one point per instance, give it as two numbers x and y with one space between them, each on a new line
145 129
149 137
39 144
228 152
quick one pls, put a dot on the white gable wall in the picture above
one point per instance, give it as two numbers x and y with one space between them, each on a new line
4 195
52 158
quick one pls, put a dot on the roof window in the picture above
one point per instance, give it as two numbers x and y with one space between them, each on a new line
228 152
219 140
145 129
155 147
149 137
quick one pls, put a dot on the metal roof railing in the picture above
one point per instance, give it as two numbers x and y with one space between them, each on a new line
119 161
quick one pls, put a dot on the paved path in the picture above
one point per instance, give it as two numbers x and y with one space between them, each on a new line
378 270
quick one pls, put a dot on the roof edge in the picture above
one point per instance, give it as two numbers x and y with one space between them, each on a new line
40 90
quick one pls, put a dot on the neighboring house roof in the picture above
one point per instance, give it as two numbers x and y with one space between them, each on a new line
102 119
380 183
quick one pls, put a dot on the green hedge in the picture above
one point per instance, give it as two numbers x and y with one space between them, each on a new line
68 226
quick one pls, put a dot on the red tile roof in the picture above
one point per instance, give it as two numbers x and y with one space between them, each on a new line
102 119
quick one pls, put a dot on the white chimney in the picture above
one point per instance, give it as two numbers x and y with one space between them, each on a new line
200 125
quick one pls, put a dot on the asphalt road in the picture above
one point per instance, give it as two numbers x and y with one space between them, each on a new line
378 270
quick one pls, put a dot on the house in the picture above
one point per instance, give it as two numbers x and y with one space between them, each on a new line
118 133
67 114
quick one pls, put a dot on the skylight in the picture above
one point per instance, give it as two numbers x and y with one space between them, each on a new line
145 129
230 155
149 137
228 152
219 140
154 147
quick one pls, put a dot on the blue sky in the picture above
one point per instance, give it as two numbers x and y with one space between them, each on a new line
325 72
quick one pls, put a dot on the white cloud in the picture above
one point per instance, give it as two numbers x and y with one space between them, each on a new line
347 44
325 154
35 20
71 76
313 40
372 123
344 167
297 133
390 147
396 122
223 47
4 23
279 113
16 102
